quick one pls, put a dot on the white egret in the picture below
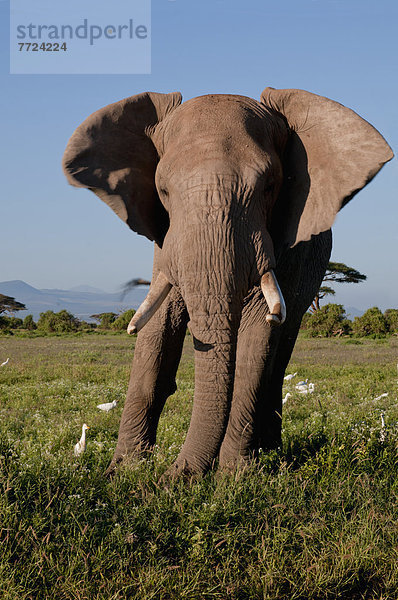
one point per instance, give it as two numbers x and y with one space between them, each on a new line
382 437
307 389
290 377
4 363
81 444
301 383
107 406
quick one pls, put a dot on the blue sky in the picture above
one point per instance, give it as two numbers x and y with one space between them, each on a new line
53 235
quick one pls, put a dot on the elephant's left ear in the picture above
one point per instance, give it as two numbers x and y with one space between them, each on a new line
332 153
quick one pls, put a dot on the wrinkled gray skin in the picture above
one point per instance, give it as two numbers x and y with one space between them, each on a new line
228 188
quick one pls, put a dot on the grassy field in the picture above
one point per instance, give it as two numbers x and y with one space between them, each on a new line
316 520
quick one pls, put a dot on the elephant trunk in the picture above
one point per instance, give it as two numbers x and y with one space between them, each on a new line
212 276
214 375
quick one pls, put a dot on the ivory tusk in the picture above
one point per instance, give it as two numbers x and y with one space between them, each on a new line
274 298
151 304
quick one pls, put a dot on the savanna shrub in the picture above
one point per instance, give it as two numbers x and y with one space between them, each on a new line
120 324
105 319
4 325
29 323
391 317
305 320
328 321
61 322
10 323
85 327
372 323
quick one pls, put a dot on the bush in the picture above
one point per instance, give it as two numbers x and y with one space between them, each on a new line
7 323
61 322
105 319
87 327
14 322
305 320
371 323
4 325
391 317
120 324
328 321
29 323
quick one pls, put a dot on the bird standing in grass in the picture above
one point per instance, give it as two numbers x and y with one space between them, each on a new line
107 406
286 398
4 363
306 389
302 385
290 377
383 429
81 444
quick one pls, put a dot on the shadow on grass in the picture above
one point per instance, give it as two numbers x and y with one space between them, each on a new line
296 451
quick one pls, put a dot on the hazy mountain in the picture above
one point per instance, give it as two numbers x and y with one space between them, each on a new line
84 300
81 301
86 288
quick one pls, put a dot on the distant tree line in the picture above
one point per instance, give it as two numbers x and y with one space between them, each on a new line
110 320
63 321
331 321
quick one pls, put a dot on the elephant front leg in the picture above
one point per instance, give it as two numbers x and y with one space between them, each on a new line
152 380
268 418
263 353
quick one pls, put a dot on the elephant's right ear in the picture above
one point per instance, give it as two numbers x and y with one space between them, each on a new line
112 154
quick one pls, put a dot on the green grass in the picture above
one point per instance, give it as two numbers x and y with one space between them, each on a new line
316 520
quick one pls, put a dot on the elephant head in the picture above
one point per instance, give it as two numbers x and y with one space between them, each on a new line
223 184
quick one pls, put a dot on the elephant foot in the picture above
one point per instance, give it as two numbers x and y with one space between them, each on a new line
181 470
235 453
111 470
239 463
137 452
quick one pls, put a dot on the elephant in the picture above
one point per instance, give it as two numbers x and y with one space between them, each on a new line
239 197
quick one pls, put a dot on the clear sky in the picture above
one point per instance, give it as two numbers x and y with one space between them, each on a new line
53 235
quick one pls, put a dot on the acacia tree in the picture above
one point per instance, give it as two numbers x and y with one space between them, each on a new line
10 305
336 273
